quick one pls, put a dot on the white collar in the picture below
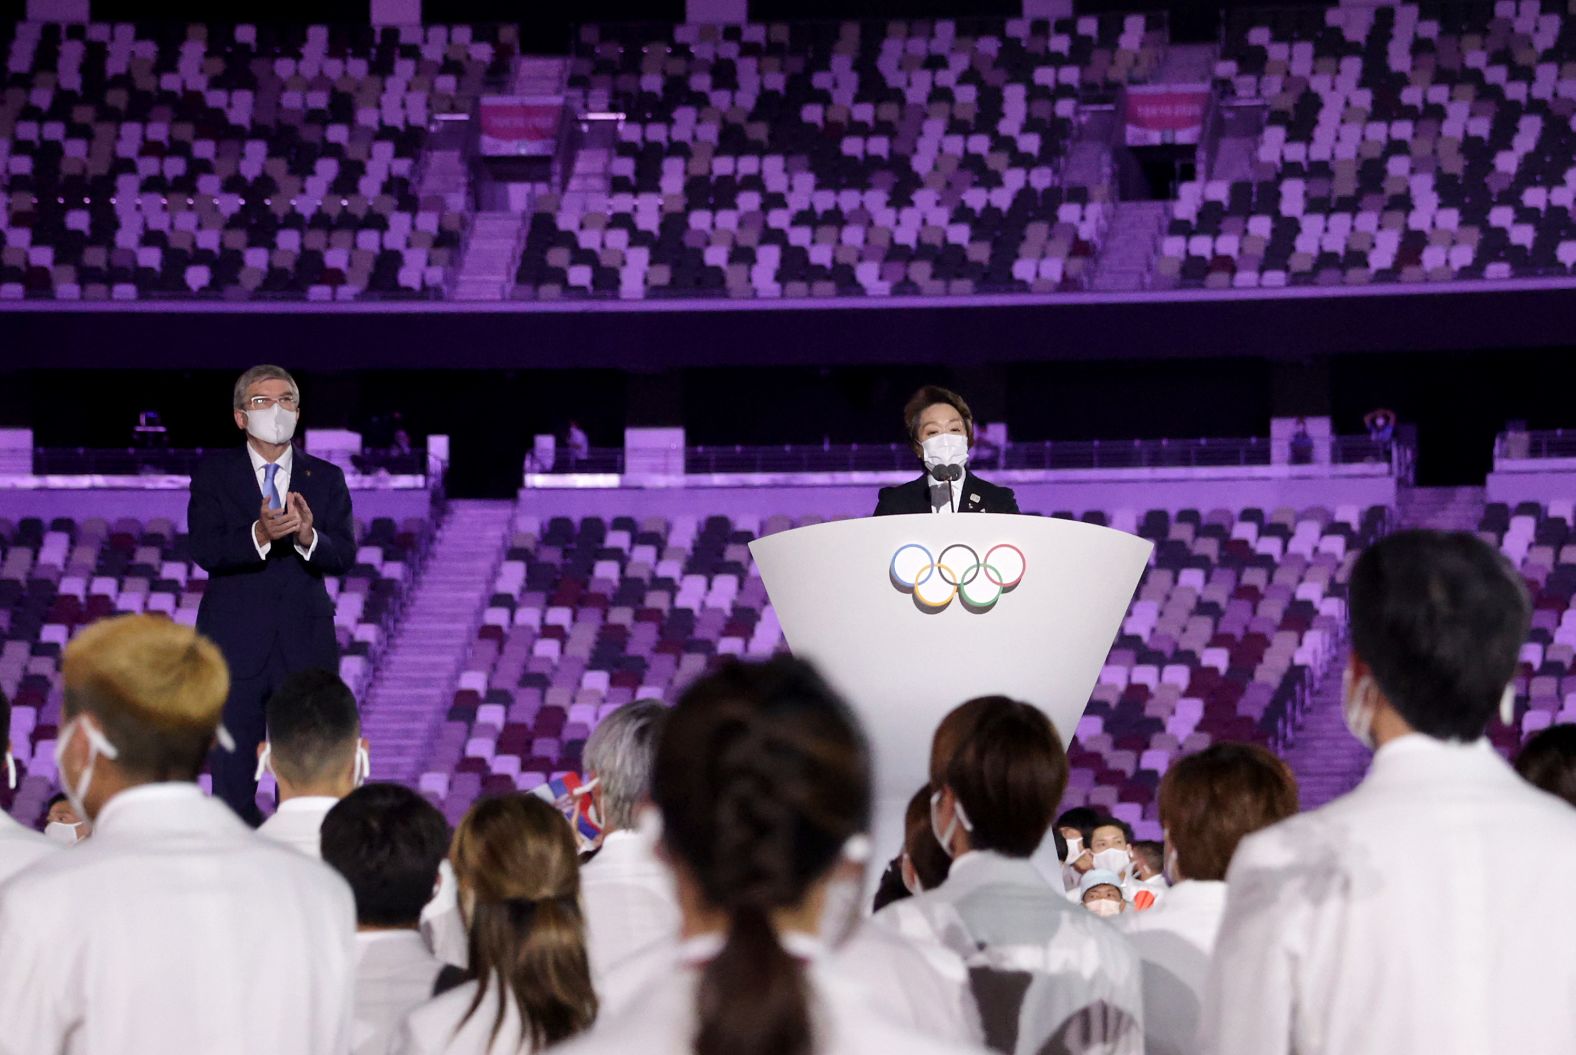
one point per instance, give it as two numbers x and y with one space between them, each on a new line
1201 893
702 947
173 792
403 935
306 804
286 460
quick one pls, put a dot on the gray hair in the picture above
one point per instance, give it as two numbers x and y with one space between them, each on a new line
620 752
263 372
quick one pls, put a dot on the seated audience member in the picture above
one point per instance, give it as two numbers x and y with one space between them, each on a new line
1100 892
1326 945
175 928
1147 885
762 779
1548 762
1208 802
923 864
315 751
62 823
628 894
387 841
20 846
1075 827
518 872
1046 973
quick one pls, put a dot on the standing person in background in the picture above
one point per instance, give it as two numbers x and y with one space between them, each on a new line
940 430
315 751
578 444
1209 802
1329 943
175 928
19 846
267 523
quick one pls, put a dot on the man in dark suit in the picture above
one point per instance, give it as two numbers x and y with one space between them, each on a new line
267 522
941 431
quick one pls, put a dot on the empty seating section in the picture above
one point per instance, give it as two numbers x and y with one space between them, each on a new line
59 576
1237 617
1541 542
229 162
1412 143
835 159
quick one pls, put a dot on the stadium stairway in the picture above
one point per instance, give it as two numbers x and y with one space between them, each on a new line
412 685
1128 254
1327 760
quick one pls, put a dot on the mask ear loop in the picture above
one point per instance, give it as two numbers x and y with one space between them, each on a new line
363 766
226 741
10 771
1507 705
100 743
262 761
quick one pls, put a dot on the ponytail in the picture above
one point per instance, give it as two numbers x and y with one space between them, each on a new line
753 996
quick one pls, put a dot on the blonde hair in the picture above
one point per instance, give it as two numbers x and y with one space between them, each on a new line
156 686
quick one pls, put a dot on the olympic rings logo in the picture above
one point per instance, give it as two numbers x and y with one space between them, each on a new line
957 571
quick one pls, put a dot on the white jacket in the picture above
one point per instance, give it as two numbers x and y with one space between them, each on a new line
20 846
1175 940
629 900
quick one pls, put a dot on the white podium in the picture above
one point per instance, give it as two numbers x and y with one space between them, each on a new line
909 616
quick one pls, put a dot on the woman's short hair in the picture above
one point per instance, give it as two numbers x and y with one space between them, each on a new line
1548 761
1210 800
929 396
930 861
1004 761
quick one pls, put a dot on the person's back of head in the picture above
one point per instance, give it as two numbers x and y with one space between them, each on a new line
143 695
762 778
1209 801
1001 766
518 872
1548 761
387 841
1149 858
314 744
618 755
1438 621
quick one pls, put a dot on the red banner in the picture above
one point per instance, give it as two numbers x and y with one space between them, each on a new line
520 126
1171 113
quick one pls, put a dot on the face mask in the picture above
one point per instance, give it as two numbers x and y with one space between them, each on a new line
905 869
10 771
62 832
1359 719
958 817
97 745
1507 708
1074 848
948 448
274 425
1104 907
363 767
1113 860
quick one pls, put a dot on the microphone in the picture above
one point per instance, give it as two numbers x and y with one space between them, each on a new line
947 473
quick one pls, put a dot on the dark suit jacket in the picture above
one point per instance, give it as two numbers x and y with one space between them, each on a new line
249 604
973 495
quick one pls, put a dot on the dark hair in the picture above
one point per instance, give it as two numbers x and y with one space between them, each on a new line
313 725
930 861
762 775
1112 822
1210 800
387 841
1005 763
1153 854
1081 818
929 396
515 855
1548 761
1440 619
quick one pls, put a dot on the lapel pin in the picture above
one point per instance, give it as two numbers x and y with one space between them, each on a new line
974 500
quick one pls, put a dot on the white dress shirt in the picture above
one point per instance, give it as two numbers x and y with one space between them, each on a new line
175 929
659 1019
938 493
629 900
1381 924
298 823
1043 969
20 846
394 975
1174 940
282 486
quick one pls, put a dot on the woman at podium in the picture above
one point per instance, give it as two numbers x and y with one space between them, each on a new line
941 431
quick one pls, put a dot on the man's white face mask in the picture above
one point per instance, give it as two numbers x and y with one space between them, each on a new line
274 425
98 744
1355 709
1116 859
948 448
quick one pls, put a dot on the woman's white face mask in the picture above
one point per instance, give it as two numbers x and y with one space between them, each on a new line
947 448
944 836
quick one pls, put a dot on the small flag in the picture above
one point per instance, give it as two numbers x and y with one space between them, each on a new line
570 796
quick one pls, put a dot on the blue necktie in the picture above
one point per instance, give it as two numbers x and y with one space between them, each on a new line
269 490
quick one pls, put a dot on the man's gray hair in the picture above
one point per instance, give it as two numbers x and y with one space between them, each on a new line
619 753
263 372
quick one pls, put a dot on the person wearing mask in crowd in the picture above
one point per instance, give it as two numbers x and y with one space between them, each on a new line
762 780
175 928
1100 892
1075 827
1147 884
20 846
1328 943
1548 761
1209 802
627 892
529 985
940 430
997 770
922 865
387 841
62 823
315 752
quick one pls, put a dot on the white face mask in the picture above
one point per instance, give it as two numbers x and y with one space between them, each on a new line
1113 860
958 817
947 448
10 771
97 745
62 832
274 425
1074 848
363 767
1359 718
1104 907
